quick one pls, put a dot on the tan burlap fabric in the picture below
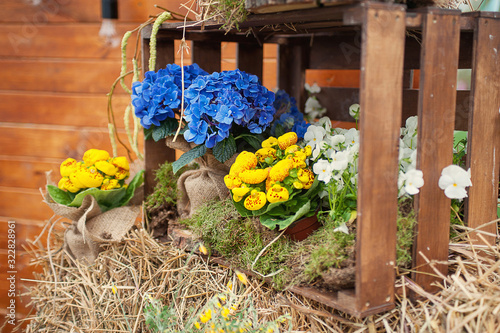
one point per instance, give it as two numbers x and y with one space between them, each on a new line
91 227
204 184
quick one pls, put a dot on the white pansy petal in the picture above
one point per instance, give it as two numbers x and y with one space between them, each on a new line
455 192
342 228
445 181
411 189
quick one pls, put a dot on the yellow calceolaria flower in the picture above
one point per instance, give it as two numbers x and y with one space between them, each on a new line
254 176
68 167
93 155
287 139
120 162
255 201
89 177
298 185
292 149
106 167
306 177
110 184
299 159
206 316
247 159
240 192
277 193
203 249
122 174
270 142
307 150
264 153
232 181
66 184
281 170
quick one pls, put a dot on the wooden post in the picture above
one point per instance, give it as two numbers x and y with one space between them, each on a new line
436 121
293 59
207 55
250 58
483 150
382 53
156 153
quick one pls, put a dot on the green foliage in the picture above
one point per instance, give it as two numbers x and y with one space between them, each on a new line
166 128
188 157
107 199
233 12
404 237
224 149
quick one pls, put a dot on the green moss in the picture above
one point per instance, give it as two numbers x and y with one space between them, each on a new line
166 186
404 237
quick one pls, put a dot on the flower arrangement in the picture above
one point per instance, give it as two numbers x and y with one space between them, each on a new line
274 183
99 175
219 108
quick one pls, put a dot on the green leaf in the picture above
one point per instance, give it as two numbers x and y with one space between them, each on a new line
107 199
132 186
166 128
60 196
273 222
225 149
252 140
188 157
279 130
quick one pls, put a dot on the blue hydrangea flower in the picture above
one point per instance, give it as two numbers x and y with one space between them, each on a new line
222 100
155 98
288 115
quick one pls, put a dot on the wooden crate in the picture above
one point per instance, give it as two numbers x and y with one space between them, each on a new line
379 40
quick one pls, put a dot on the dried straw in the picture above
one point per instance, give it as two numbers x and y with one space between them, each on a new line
72 297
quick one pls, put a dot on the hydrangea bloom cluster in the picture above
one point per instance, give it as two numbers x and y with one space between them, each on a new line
218 101
271 174
288 115
97 170
155 98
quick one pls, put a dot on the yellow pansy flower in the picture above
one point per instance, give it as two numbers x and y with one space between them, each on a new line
93 155
287 139
277 193
255 176
68 167
255 201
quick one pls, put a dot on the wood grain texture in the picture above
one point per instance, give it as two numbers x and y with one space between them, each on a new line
381 80
293 60
207 55
55 75
483 155
27 172
23 204
249 58
436 119
60 109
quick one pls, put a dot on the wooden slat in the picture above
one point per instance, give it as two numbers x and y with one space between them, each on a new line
52 41
333 78
381 80
93 76
23 231
67 11
53 141
207 55
250 59
293 59
338 100
483 155
60 109
435 140
156 153
27 172
23 204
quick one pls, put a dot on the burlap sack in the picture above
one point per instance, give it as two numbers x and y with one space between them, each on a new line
204 184
91 227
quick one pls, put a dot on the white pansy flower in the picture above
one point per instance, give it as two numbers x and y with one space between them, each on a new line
414 180
339 160
314 135
322 168
336 140
314 89
326 123
453 181
413 159
411 125
354 111
410 141
313 108
351 136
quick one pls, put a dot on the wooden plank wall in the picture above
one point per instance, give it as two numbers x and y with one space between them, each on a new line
55 72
